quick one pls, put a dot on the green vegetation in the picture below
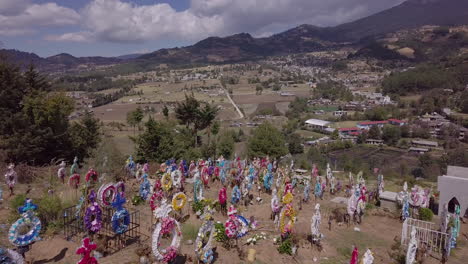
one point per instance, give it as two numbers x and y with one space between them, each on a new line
267 140
332 91
34 126
286 246
425 214
189 231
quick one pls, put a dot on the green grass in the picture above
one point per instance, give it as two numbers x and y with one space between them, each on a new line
345 124
310 134
189 231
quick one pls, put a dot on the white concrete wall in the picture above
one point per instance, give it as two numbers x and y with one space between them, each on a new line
450 187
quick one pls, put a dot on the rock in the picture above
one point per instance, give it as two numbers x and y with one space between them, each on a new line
144 260
189 242
357 229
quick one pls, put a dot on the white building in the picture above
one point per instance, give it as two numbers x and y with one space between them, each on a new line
317 124
453 189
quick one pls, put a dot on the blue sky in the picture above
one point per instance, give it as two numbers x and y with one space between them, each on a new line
116 27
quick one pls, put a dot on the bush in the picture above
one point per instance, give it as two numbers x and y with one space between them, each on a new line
17 201
425 214
286 247
189 232
50 208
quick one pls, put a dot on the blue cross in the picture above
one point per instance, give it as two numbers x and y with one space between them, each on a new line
119 202
28 205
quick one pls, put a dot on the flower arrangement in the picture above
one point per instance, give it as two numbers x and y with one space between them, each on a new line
287 198
170 253
179 201
222 196
288 211
156 198
257 237
93 218
74 180
166 182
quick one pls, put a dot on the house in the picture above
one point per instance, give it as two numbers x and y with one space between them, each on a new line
340 113
376 142
424 143
396 122
452 188
418 150
317 124
368 124
349 131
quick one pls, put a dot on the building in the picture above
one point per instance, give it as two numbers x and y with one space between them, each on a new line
349 131
397 122
340 113
453 189
376 142
368 124
317 124
424 143
418 150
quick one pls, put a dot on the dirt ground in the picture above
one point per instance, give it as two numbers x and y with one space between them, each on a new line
376 232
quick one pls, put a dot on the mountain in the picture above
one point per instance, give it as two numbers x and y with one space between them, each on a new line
130 56
409 14
59 62
307 38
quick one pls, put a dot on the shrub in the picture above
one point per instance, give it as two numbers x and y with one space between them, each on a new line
286 247
425 214
50 208
17 201
220 234
189 232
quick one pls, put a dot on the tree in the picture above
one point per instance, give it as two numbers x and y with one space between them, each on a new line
34 126
295 144
135 117
195 115
226 144
391 135
85 135
374 132
267 140
258 89
165 111
335 134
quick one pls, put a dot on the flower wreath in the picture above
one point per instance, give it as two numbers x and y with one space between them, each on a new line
91 175
178 201
236 226
197 190
205 253
74 180
176 178
287 211
166 182
222 197
205 176
28 218
170 253
156 197
145 189
268 180
236 195
287 198
106 194
8 256
93 215
120 187
121 217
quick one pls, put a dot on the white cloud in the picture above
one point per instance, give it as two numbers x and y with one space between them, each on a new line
22 17
84 36
117 21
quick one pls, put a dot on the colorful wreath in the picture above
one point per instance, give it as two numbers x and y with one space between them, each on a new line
236 226
28 218
287 198
205 252
120 187
121 217
268 180
205 176
145 189
176 178
178 201
74 180
91 175
93 215
8 256
106 194
287 211
236 195
166 182
197 190
155 199
222 196
170 253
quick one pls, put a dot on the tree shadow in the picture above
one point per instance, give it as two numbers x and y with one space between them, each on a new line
55 259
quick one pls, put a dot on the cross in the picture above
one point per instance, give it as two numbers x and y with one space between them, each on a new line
28 205
119 202
85 251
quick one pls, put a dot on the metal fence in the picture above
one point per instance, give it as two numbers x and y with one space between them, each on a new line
433 240
74 226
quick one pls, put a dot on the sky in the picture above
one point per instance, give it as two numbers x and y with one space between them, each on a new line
117 27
